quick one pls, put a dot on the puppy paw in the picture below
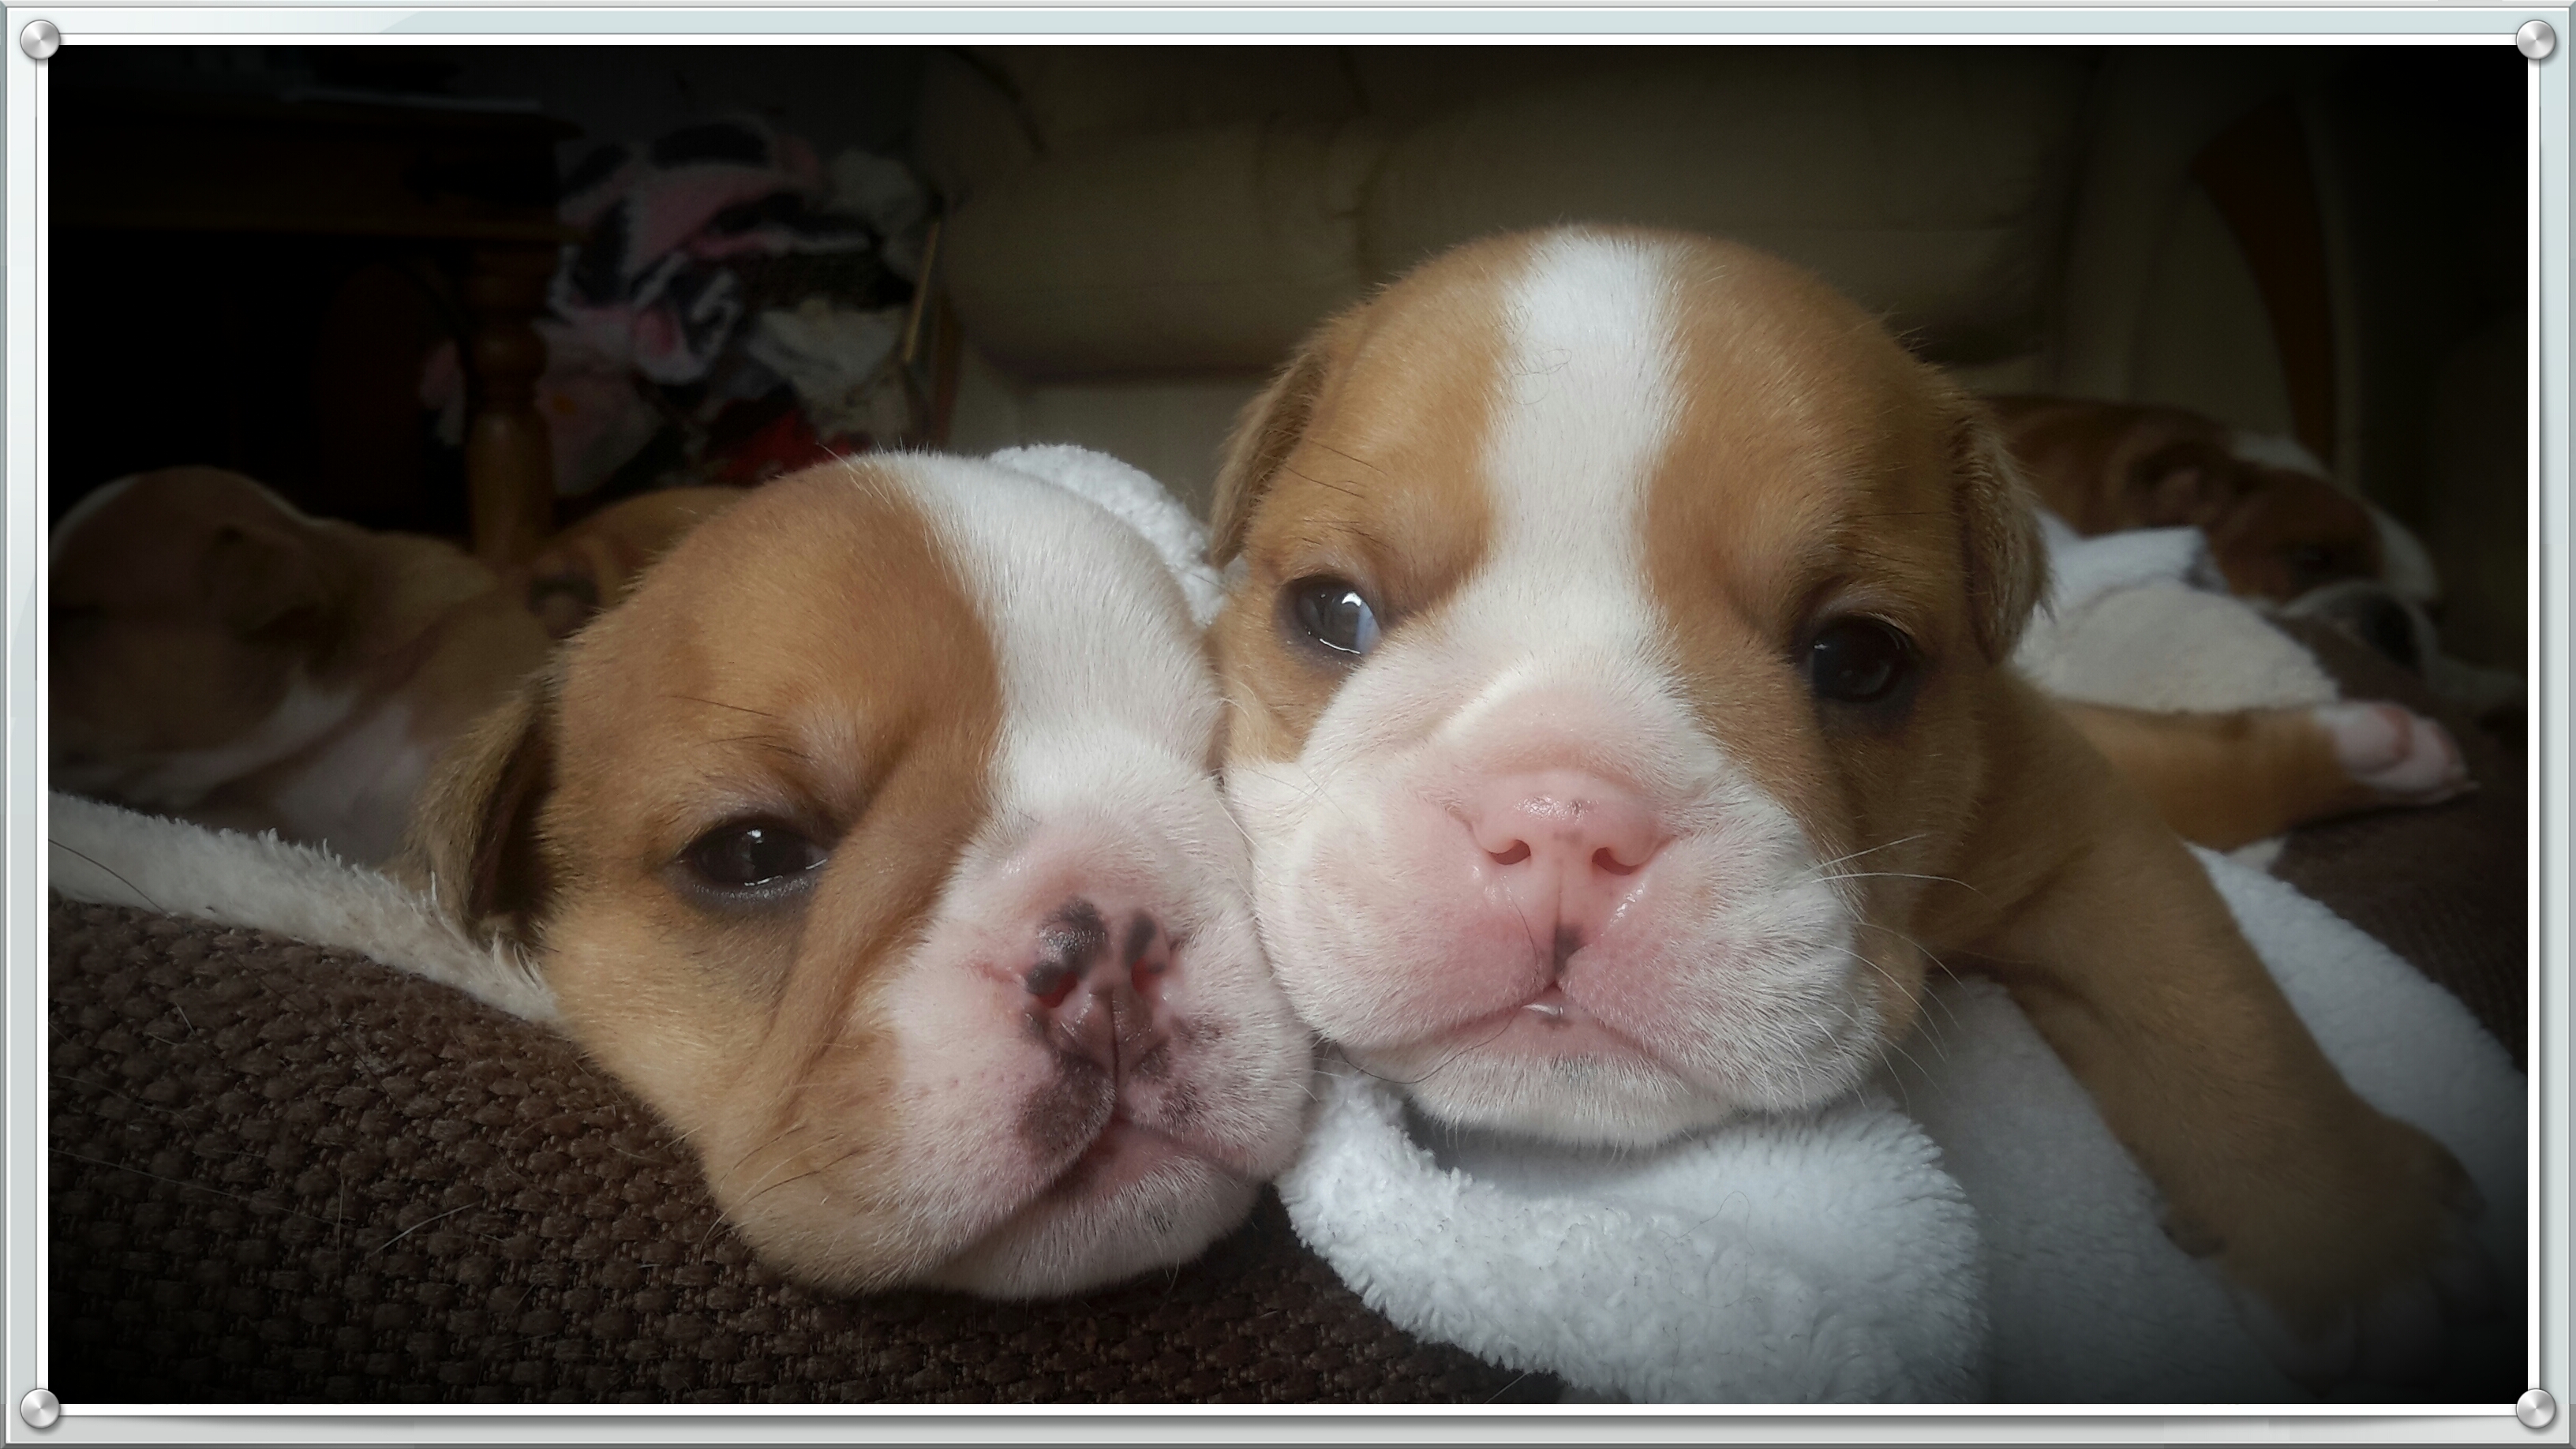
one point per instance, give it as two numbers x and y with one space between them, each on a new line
2374 1295
2394 1337
2399 756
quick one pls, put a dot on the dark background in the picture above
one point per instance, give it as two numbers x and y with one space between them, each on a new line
295 360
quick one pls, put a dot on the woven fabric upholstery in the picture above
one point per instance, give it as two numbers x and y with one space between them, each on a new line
288 1174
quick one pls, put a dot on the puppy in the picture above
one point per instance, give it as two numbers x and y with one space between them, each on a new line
2286 537
1621 724
873 841
589 566
2281 533
2277 531
220 657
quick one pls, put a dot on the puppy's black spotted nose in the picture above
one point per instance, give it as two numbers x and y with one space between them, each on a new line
1097 986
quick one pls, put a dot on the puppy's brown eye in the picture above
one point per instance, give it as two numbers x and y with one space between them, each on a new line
1859 661
754 856
1334 613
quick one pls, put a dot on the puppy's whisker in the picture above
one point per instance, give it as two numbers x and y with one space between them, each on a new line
102 865
1916 993
765 742
764 1185
1890 1045
1913 994
1239 827
721 704
1900 875
748 1154
1528 932
1931 959
1342 488
1893 1045
1853 855
800 1177
1353 457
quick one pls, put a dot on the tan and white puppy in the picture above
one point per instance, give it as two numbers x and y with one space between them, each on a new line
873 841
1621 725
2279 532
2276 528
221 657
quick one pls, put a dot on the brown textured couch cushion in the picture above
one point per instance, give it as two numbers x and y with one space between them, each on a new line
282 1173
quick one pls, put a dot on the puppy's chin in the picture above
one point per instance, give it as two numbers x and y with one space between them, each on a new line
1585 1100
1514 1078
1133 1202
1089 1234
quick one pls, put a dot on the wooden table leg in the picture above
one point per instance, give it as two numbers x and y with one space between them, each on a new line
509 463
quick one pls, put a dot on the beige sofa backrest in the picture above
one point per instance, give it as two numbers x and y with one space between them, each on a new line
1138 235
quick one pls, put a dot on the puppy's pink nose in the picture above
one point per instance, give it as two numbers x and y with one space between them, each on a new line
1097 986
1565 847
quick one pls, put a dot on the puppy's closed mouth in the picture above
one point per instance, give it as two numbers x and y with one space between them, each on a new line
1549 1024
1126 1151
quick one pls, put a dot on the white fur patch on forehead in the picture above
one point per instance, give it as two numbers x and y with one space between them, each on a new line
1589 398
1583 411
1099 660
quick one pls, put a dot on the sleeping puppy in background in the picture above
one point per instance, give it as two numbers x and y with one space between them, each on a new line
2281 532
873 842
2275 530
2289 539
1621 724
221 657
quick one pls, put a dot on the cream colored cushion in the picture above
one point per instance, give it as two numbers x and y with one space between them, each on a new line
1929 184
1193 250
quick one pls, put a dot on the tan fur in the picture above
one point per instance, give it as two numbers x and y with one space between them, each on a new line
593 564
2116 944
1820 471
858 1039
1378 392
2275 532
2225 780
740 681
187 609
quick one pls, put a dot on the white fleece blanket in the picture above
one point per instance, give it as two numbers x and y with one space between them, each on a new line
1827 1256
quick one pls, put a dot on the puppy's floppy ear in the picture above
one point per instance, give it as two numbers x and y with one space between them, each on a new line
1999 535
1264 436
473 836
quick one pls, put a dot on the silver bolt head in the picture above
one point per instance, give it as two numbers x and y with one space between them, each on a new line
40 1408
2535 1409
40 39
2535 40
